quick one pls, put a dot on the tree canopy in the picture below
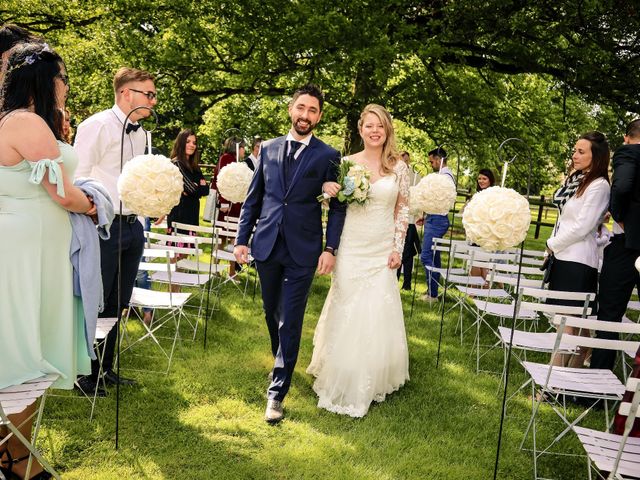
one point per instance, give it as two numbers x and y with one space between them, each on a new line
466 73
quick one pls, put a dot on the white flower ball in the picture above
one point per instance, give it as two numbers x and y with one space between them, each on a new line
233 181
435 194
497 218
150 185
637 264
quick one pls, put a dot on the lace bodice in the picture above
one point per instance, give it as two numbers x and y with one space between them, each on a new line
384 218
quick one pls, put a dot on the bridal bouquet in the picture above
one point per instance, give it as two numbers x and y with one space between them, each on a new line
233 181
496 218
354 180
150 185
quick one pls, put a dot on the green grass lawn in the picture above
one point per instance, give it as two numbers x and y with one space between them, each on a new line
204 420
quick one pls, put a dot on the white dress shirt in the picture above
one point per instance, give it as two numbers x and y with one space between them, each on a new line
574 239
97 145
305 143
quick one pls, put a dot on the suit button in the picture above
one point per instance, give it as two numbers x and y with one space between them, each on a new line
285 203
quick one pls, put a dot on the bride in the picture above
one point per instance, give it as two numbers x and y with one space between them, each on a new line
360 346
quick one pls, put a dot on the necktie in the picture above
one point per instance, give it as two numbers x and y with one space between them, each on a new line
290 161
132 127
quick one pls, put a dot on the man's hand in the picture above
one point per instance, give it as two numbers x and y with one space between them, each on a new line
331 188
241 252
325 263
420 221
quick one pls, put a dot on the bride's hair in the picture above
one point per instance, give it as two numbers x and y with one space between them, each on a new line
390 153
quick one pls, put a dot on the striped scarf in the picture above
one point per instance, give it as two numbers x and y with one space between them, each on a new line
568 190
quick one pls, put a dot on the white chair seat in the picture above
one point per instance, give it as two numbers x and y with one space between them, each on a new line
503 309
580 380
141 297
16 398
483 292
181 278
602 448
466 280
104 326
540 342
443 271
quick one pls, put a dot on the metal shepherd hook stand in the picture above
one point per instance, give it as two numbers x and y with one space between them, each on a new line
119 286
451 228
415 277
516 300
214 244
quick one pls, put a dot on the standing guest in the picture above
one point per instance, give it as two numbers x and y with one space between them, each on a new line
186 156
618 275
98 146
225 207
582 202
287 243
412 240
435 226
41 321
10 36
252 159
485 180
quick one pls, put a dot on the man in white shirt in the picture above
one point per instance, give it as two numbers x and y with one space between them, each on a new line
435 226
252 160
98 145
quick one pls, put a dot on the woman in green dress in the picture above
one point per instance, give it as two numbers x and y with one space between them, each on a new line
42 325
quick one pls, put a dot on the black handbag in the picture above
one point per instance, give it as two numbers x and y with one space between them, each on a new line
547 266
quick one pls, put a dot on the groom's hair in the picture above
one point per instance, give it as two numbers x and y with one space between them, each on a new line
309 89
439 152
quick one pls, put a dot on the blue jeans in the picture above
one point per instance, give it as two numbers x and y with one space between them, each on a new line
435 226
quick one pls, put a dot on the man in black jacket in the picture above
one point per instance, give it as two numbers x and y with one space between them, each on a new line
619 275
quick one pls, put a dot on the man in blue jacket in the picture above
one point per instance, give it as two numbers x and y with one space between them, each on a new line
288 239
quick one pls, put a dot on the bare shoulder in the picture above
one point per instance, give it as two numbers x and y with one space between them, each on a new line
24 119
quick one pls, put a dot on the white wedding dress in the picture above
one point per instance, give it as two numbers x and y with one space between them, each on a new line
360 346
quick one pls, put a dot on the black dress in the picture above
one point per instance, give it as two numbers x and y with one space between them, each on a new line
188 210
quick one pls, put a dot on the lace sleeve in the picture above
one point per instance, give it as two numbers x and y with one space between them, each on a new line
40 168
401 214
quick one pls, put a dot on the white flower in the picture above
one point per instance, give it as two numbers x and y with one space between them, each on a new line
434 194
233 181
150 185
497 218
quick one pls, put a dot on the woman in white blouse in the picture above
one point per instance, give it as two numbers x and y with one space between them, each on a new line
583 201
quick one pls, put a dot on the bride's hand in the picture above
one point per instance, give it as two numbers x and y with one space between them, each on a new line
394 261
331 189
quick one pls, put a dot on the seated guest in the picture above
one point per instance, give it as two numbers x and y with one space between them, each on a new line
582 203
252 159
485 180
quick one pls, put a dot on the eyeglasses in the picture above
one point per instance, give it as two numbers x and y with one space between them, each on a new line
64 78
149 95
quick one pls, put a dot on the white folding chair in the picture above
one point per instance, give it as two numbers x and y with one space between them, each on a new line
615 456
171 303
15 400
551 384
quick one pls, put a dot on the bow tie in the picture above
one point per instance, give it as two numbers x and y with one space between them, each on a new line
132 127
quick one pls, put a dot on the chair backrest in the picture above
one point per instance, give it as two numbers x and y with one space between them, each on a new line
513 280
600 325
185 228
180 244
158 254
630 410
536 299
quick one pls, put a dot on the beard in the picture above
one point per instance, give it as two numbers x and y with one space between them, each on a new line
303 131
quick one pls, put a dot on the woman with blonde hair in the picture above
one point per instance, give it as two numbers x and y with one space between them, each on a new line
360 347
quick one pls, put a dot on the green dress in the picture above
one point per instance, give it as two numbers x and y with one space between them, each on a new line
41 322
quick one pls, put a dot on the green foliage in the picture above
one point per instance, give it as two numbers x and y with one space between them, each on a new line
464 73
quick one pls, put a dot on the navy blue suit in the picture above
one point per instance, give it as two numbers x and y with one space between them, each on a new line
288 241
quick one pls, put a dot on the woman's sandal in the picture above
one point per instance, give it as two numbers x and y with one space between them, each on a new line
10 475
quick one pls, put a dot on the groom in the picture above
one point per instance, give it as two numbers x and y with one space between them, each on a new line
287 243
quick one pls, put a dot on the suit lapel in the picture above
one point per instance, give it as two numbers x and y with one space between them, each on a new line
280 161
303 163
